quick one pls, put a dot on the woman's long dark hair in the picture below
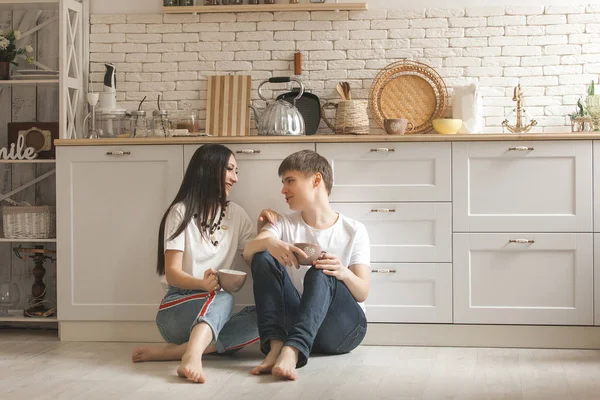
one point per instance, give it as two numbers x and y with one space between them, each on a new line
202 192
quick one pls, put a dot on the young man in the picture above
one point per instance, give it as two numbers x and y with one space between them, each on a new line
306 308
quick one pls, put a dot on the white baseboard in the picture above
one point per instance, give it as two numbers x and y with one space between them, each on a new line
550 337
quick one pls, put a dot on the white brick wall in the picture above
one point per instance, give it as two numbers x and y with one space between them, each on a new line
553 51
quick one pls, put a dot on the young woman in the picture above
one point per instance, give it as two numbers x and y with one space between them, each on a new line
200 233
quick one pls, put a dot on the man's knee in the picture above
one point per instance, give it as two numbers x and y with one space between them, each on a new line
262 261
314 274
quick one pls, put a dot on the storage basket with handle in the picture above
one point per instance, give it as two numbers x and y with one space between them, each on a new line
29 222
351 117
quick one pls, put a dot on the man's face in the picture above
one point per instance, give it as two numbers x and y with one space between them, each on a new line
298 189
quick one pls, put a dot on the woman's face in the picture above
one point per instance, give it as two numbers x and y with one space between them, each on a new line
231 177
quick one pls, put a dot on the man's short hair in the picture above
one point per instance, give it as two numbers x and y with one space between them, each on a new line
309 163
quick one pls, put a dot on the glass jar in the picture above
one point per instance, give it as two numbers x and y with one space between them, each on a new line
186 3
170 3
138 124
161 124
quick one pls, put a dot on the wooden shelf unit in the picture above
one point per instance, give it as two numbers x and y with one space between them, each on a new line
266 8
17 316
17 82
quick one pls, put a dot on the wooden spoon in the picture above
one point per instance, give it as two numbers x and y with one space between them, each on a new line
347 91
340 89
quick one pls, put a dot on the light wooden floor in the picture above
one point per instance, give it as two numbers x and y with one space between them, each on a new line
36 366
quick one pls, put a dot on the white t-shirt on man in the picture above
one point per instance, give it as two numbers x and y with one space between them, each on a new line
199 254
347 239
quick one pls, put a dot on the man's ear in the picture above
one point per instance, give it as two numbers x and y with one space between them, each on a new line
318 179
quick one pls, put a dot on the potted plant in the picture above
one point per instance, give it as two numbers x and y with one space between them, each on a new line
593 105
9 51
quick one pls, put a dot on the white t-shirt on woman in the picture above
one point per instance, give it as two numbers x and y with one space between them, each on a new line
199 254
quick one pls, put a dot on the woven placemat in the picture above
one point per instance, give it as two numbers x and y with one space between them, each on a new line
411 90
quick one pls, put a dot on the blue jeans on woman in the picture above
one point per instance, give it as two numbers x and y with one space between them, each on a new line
326 319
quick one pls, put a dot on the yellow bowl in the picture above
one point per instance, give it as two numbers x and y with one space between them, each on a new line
447 126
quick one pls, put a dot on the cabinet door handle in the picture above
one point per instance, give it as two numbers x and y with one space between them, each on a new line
382 150
383 210
522 241
118 153
521 148
248 151
383 271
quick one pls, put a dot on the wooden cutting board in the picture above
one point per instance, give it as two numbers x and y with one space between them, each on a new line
227 106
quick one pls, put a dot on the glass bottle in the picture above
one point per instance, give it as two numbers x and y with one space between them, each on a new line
139 126
162 126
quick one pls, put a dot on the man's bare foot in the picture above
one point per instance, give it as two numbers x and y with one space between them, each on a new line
269 362
285 366
191 368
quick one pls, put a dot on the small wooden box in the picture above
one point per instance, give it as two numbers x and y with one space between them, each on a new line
227 105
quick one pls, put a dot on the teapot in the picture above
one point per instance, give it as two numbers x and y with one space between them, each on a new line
280 117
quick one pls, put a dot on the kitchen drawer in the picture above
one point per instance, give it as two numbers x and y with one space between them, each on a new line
410 293
405 232
541 278
389 171
523 186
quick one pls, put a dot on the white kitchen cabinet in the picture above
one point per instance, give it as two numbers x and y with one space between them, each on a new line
596 279
410 293
522 186
596 150
405 232
524 278
110 203
259 187
380 172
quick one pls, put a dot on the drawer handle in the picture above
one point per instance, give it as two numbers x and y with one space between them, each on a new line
383 210
520 148
382 150
522 241
248 151
384 271
118 153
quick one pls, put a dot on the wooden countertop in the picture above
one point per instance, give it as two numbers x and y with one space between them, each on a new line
329 139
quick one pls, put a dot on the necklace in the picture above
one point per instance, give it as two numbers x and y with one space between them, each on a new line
212 228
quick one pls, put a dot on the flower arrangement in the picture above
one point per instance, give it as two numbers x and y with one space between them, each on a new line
9 50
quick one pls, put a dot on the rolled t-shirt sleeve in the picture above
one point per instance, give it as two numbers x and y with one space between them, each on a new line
276 228
361 247
246 230
174 218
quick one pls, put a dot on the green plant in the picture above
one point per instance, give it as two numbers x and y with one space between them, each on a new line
580 110
9 50
591 89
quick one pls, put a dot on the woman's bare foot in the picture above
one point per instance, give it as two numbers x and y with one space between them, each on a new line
167 352
269 362
285 367
191 368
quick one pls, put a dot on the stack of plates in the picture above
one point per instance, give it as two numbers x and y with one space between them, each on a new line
34 74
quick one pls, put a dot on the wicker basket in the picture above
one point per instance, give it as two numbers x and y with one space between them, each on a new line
29 222
351 117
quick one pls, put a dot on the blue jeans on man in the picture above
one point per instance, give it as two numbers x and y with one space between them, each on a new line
325 319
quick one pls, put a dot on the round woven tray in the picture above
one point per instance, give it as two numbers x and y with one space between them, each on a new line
411 90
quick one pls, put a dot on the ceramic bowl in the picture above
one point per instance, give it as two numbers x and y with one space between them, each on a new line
447 126
231 280
313 251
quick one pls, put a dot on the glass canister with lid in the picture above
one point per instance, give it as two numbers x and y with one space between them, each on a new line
162 125
139 125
